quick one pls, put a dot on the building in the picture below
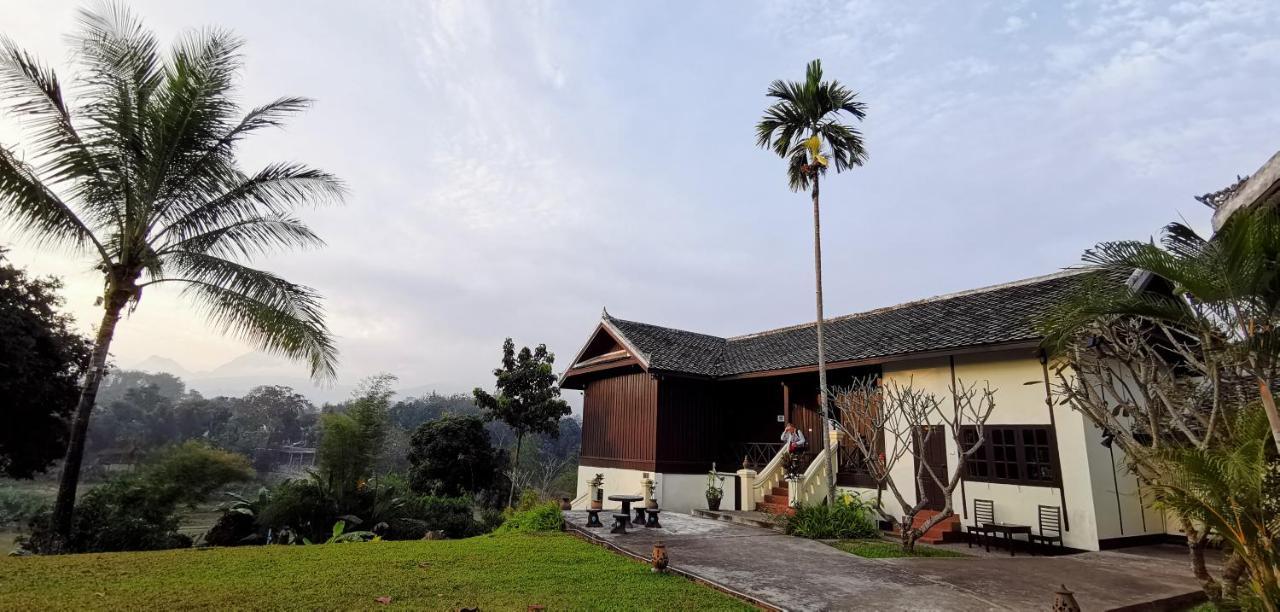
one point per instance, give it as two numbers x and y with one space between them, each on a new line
670 403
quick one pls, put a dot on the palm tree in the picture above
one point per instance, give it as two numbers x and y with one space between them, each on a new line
804 127
1226 288
142 177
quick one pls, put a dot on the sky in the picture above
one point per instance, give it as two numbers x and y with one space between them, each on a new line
516 167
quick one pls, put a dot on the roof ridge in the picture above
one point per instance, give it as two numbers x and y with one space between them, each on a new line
675 329
937 298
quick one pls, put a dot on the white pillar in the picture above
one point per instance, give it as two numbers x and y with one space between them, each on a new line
747 478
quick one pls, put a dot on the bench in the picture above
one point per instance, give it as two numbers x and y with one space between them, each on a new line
593 518
653 517
620 520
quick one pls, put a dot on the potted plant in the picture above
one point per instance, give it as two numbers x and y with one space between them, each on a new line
593 488
715 489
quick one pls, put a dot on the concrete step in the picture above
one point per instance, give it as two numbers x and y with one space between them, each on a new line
751 519
775 508
777 499
781 491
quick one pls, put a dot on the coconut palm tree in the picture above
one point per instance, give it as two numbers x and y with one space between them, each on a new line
804 127
141 177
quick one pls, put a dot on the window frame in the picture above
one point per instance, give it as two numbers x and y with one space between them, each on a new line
984 455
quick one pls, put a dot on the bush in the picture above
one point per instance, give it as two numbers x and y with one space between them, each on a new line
543 517
452 516
303 507
849 517
452 456
18 506
138 511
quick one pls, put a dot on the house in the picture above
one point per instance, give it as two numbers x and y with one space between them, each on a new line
671 403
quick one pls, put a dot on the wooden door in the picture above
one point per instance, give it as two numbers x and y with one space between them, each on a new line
934 453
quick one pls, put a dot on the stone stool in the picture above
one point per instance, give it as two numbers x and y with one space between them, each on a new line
620 522
639 516
593 518
653 517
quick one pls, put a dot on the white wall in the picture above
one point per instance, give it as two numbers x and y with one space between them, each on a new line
674 492
1018 381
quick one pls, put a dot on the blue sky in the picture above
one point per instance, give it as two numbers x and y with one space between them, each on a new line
515 167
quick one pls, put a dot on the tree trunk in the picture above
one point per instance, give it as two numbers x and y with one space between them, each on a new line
908 534
515 463
64 506
822 353
1195 550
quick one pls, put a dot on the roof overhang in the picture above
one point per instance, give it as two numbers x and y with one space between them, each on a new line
852 363
1263 184
580 366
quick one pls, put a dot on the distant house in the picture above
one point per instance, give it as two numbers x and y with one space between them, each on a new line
671 402
287 461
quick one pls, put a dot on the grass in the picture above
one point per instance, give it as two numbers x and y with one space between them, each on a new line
884 549
507 572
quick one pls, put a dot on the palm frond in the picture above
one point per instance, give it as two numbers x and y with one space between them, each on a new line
249 237
808 109
33 209
256 306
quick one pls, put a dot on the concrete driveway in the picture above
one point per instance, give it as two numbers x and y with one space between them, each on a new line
798 574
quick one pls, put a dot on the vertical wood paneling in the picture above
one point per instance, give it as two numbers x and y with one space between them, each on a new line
619 422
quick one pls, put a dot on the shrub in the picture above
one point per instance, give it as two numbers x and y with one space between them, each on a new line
452 456
849 517
138 511
18 506
543 517
452 516
301 506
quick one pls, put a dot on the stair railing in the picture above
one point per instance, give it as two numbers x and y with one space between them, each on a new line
810 487
771 476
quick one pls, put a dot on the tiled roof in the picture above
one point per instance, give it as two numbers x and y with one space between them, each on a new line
993 315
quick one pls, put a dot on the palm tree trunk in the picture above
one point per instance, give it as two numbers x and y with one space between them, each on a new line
515 464
64 506
822 353
1269 406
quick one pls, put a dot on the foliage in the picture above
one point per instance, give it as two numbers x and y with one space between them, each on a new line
238 521
18 506
492 573
339 535
804 126
1227 489
139 511
882 549
451 456
715 484
44 358
141 174
849 517
546 516
303 506
528 396
351 440
451 516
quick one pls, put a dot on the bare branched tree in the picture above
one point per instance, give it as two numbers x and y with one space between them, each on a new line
886 422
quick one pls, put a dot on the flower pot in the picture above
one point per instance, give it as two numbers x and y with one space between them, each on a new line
597 504
713 503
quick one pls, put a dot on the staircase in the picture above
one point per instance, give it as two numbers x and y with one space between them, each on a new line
777 500
947 531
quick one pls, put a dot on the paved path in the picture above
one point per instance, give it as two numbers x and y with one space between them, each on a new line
797 574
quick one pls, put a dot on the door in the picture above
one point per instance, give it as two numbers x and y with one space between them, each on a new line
933 439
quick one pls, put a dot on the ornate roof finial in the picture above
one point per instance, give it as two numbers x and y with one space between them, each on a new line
604 313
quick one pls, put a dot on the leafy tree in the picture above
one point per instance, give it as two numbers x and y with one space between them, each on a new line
351 441
451 456
268 416
804 127
409 413
143 177
118 382
43 358
528 399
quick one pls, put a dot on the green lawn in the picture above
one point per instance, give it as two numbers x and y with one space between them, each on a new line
884 549
507 572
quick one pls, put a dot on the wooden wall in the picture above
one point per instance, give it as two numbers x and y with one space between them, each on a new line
619 417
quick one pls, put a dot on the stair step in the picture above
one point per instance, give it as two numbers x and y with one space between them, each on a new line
775 508
781 491
776 499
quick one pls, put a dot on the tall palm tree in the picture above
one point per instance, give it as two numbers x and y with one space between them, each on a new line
804 127
141 176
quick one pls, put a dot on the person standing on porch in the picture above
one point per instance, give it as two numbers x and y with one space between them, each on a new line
793 443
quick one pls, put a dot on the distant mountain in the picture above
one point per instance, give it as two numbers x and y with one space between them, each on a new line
156 363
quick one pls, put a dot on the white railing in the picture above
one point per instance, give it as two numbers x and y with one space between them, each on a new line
771 476
811 487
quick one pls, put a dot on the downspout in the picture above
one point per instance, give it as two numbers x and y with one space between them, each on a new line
1053 424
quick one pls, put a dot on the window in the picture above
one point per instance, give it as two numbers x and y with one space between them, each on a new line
1012 454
